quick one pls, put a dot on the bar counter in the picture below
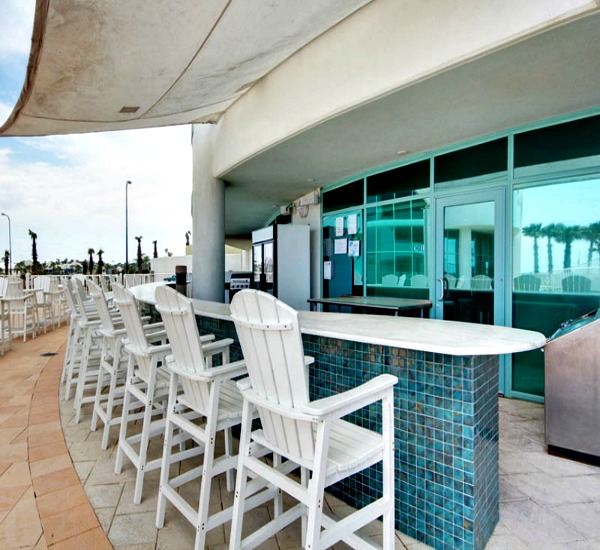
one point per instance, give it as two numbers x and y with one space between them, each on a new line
446 410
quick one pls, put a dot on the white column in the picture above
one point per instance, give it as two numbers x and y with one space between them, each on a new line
208 225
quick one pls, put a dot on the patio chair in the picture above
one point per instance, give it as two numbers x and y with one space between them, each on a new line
419 280
311 435
73 352
89 342
21 306
527 283
209 403
48 301
113 362
146 388
576 283
5 326
481 282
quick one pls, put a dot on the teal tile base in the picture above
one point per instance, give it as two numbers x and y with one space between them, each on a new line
446 434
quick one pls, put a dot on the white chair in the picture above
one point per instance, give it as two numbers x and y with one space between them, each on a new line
5 325
90 341
390 279
48 301
146 387
311 435
481 282
209 403
419 281
21 306
74 339
113 363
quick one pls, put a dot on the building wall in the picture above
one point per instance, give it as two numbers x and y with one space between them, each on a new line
347 67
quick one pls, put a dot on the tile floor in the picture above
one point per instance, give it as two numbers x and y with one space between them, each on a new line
51 498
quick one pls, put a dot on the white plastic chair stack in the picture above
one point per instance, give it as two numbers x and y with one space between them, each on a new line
209 403
146 387
309 434
21 306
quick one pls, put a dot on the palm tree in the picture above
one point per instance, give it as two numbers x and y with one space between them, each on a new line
591 233
6 258
548 232
139 254
35 268
91 252
534 230
567 234
100 262
155 251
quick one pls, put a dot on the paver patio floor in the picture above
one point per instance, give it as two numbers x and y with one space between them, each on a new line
58 489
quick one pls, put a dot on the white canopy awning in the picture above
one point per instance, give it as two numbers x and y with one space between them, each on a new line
100 65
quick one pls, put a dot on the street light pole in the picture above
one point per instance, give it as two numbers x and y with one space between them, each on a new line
127 184
9 243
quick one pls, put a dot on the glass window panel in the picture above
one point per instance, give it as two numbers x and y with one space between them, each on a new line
345 196
399 182
479 160
570 140
396 255
556 265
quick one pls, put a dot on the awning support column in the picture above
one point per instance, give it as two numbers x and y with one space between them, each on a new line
208 215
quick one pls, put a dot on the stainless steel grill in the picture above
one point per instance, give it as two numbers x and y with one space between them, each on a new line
572 396
239 281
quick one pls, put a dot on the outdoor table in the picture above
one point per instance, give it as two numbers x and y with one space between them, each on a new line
374 303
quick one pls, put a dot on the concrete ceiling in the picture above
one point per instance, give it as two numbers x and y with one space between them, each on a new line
99 65
551 74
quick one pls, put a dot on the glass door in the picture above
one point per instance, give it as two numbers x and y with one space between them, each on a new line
470 264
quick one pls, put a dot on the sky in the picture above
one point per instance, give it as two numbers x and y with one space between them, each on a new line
70 190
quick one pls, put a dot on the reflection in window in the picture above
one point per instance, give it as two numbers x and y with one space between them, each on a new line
557 238
396 257
556 265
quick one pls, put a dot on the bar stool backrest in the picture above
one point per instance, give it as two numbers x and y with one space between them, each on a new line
271 341
137 341
106 319
14 288
178 316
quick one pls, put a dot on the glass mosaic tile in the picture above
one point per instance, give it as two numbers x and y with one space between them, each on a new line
446 434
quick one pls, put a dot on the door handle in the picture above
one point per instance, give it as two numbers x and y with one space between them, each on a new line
441 296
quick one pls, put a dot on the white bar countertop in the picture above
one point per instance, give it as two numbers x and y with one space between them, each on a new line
429 335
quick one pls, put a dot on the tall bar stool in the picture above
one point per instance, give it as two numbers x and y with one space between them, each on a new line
90 342
146 388
21 307
309 434
113 362
209 403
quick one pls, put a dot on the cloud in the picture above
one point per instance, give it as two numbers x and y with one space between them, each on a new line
70 190
16 25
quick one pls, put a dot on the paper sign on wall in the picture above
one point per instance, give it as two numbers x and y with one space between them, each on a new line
354 249
352 224
339 226
327 271
341 246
